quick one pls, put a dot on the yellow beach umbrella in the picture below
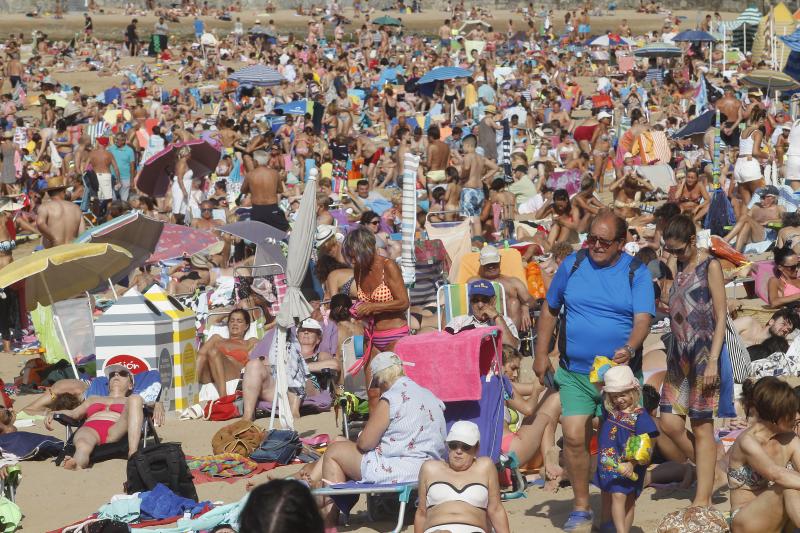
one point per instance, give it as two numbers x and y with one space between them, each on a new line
65 271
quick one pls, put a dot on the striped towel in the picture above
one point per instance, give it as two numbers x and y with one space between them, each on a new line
97 129
279 281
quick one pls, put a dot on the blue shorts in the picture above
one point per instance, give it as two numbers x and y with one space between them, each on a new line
471 201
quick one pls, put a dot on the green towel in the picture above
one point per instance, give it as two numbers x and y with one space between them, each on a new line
45 328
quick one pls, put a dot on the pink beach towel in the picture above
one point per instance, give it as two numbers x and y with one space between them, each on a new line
450 366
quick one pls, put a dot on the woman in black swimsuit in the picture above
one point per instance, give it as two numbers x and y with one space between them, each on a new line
389 108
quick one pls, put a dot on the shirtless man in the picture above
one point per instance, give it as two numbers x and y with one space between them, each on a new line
752 226
369 151
474 170
560 115
782 323
228 137
730 109
59 221
263 184
206 220
518 299
14 71
445 33
437 158
102 161
139 113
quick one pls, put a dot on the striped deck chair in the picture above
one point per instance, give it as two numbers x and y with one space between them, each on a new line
452 301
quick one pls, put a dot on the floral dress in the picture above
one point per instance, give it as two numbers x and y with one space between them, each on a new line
415 434
613 445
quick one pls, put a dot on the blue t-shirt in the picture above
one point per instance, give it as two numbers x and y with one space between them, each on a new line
599 305
198 27
124 157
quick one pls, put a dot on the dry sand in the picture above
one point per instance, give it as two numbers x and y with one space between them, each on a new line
51 497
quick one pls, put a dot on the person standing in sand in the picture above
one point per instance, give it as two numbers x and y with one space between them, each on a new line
59 221
474 170
263 183
102 162
437 158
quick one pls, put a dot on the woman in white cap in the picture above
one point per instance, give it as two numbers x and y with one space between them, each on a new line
461 494
405 429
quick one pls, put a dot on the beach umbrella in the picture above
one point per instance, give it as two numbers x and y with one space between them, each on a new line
387 21
470 25
610 39
658 50
294 307
770 79
132 231
696 126
792 40
178 241
111 115
694 36
253 231
408 228
257 76
64 271
156 174
444 73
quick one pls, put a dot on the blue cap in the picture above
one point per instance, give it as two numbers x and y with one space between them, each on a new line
480 287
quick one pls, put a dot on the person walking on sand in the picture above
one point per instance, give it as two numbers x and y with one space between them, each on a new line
59 221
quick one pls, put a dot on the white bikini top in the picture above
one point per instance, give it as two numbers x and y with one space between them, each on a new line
474 494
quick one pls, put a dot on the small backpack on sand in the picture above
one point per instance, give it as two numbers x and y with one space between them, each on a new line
162 463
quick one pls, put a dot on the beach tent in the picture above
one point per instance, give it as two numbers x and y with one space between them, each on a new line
779 22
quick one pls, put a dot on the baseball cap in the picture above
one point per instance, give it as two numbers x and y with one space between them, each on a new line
480 287
603 114
310 323
627 155
769 190
489 255
384 360
114 368
464 431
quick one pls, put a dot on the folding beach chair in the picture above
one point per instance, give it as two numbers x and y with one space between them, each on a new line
353 401
452 300
216 326
8 486
272 273
112 450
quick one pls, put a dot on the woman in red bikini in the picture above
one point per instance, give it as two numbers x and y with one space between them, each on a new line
221 360
382 295
108 418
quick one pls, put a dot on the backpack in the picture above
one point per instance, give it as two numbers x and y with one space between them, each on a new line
162 463
580 255
279 446
241 437
720 213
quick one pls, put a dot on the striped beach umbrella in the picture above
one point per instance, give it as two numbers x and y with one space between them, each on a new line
444 73
658 50
257 76
694 36
770 79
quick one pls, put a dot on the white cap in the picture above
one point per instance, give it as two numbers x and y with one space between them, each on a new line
464 431
384 360
489 255
603 114
480 78
310 323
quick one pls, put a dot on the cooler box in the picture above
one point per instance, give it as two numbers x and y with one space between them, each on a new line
179 381
133 333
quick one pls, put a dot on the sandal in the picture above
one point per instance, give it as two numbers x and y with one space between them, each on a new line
578 519
607 527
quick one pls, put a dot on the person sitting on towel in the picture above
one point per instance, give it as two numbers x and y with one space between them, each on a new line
483 312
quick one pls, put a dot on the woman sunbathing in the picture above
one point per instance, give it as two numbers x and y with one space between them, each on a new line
108 418
221 360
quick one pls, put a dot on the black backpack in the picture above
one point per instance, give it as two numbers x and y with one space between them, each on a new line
162 463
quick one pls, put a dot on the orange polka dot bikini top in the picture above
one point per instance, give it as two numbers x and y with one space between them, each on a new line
380 294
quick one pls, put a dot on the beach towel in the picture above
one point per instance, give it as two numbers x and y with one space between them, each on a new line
29 446
311 405
625 63
455 237
161 503
653 147
455 373
762 272
569 180
661 175
227 467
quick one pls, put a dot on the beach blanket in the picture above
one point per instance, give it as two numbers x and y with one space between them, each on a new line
28 446
227 467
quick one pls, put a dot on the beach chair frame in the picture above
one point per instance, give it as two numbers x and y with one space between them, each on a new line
445 301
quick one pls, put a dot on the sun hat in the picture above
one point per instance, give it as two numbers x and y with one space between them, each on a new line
202 261
323 233
627 155
603 114
464 431
489 255
310 323
769 190
620 378
7 203
490 109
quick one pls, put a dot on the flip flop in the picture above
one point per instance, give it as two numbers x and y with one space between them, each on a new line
607 527
578 519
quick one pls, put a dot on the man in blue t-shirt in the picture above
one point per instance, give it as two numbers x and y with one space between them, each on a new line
126 161
199 28
608 305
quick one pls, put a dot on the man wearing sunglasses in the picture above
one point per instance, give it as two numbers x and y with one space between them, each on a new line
608 304
483 313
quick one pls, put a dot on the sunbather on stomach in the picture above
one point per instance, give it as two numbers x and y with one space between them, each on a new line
108 418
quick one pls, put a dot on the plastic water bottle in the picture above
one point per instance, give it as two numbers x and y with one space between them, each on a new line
164 276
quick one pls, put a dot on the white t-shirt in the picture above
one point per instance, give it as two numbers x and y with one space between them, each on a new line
463 321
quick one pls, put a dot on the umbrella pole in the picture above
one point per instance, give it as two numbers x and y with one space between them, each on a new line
60 327
113 290
724 49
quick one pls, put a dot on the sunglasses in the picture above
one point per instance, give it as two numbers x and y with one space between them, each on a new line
206 209
456 445
676 251
374 223
791 267
594 240
120 373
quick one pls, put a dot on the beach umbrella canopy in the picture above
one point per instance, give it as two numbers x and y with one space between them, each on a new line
751 16
177 241
294 307
697 125
387 21
610 39
470 25
444 73
253 231
694 36
257 76
111 115
156 174
792 41
770 79
132 231
658 50
65 271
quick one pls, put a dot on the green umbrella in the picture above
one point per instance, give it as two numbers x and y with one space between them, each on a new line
770 79
387 21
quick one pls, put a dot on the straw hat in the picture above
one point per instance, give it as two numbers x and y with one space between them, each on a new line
55 184
620 378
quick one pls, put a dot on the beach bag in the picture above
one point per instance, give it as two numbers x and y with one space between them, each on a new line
30 373
163 463
241 437
279 446
694 520
720 213
226 408
723 250
737 351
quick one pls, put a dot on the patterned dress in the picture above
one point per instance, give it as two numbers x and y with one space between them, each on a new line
415 434
692 321
612 442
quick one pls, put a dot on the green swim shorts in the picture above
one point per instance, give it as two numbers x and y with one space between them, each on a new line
579 396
